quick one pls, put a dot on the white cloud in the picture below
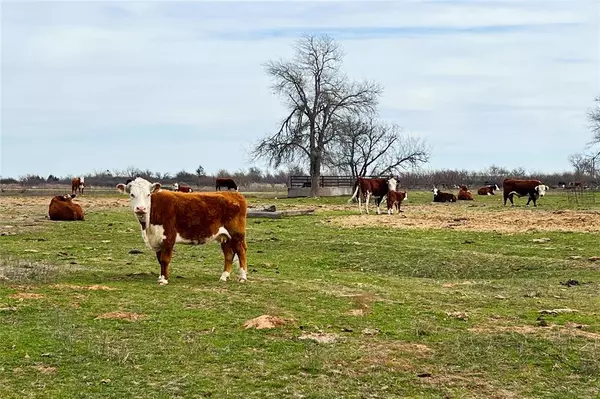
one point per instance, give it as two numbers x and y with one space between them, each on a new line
471 77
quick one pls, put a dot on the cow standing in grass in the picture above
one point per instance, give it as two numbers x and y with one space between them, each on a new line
225 182
167 217
533 189
378 188
77 184
394 200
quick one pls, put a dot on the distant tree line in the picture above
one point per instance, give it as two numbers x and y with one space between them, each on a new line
422 179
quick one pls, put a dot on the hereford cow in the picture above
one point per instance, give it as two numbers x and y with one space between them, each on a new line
77 184
225 182
394 200
378 188
439 196
63 208
488 190
167 217
184 188
534 189
464 194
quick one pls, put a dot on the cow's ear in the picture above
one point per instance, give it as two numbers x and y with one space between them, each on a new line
121 188
537 189
155 187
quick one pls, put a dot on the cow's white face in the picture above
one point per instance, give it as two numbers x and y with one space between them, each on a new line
139 191
175 186
392 183
435 191
82 180
541 190
496 188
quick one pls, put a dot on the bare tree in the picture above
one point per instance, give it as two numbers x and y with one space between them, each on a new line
315 93
369 147
582 164
594 117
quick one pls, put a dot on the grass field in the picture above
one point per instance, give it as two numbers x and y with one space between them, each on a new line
442 301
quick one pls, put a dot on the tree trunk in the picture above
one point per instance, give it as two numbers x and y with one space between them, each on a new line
315 175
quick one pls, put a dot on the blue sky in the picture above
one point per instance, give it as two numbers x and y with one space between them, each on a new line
168 86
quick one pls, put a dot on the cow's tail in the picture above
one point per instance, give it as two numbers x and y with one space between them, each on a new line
355 194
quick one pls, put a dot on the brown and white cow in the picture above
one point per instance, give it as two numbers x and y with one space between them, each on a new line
464 194
183 188
364 187
439 196
77 184
394 200
534 189
225 182
62 207
488 190
169 217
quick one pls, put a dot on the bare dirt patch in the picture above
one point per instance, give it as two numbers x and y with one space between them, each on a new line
26 295
462 217
129 316
322 338
266 321
393 354
28 213
44 369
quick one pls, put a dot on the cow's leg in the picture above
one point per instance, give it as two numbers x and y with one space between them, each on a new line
360 202
240 248
228 254
367 202
164 258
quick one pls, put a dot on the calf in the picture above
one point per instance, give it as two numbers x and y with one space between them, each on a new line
372 187
183 188
534 189
62 207
439 196
167 217
225 182
488 190
464 194
77 184
394 200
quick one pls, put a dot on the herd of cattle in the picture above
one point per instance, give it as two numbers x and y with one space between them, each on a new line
179 215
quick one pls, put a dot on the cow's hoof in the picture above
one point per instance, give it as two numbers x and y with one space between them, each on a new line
162 280
224 276
242 280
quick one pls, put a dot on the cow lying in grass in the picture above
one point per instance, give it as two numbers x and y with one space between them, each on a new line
488 190
167 217
439 196
62 207
464 194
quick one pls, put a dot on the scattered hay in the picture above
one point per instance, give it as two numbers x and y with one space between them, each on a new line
556 312
451 285
266 321
26 295
322 338
129 316
81 287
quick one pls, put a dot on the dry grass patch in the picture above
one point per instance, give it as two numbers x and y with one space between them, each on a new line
43 369
462 217
95 287
393 354
26 295
129 316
